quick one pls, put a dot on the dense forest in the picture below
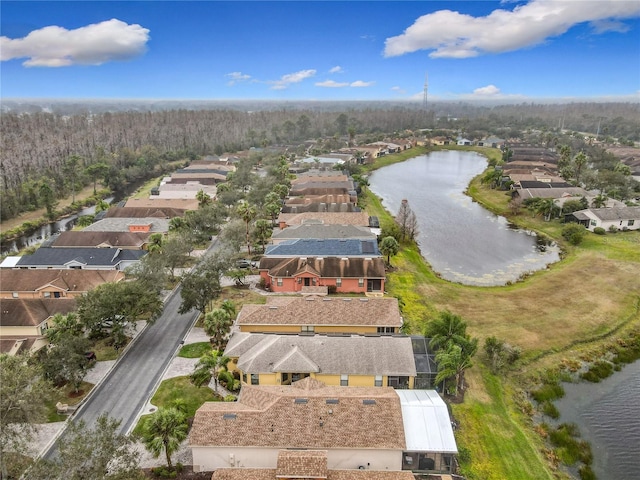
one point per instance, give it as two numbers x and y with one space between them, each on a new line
49 150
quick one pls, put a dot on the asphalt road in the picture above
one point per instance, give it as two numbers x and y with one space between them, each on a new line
124 392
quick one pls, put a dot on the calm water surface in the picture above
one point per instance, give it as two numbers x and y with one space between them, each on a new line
461 240
608 415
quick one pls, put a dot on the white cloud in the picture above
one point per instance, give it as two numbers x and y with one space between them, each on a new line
455 35
398 90
332 84
336 69
93 44
290 78
236 77
360 83
489 90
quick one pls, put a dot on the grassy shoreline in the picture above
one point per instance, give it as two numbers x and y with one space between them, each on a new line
576 310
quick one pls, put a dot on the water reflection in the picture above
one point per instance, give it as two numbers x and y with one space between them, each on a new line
461 240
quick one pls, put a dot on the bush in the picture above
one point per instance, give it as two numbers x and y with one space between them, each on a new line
548 392
599 231
598 371
613 229
574 233
550 410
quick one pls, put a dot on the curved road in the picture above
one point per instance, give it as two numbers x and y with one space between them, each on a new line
124 392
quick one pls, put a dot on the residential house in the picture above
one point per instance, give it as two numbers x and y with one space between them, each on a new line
145 212
340 360
314 314
333 207
321 231
187 190
464 142
324 161
357 430
24 322
137 225
205 176
81 258
309 199
316 274
328 218
162 203
551 192
619 218
99 239
313 247
325 188
306 464
58 283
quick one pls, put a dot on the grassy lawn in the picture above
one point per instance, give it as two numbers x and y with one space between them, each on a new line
194 350
66 395
582 303
179 390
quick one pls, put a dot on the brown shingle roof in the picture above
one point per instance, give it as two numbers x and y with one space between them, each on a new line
22 312
334 218
179 203
31 280
323 311
302 178
143 212
302 464
298 416
95 238
327 267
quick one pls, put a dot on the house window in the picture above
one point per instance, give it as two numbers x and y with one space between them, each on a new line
244 377
338 282
46 294
255 379
378 381
285 378
308 328
279 282
386 330
361 282
14 294
630 222
593 223
344 380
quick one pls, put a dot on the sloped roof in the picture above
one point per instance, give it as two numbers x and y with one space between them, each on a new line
326 267
30 280
142 212
31 312
342 218
322 207
341 354
552 192
614 213
320 177
171 203
270 416
312 247
86 256
327 198
288 310
95 238
322 231
122 224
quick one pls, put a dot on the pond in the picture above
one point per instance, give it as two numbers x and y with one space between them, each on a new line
608 417
462 241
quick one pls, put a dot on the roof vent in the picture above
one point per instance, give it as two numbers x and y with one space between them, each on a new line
332 401
364 299
347 299
273 307
229 416
301 400
367 401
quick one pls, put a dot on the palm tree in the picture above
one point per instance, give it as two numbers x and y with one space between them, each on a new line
247 212
102 206
203 198
210 365
452 362
445 330
599 201
217 324
263 232
546 208
580 161
389 246
165 431
272 209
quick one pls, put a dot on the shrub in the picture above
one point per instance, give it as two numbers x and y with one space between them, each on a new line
548 392
613 229
573 233
599 231
598 371
550 410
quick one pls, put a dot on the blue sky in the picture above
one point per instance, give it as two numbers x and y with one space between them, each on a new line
330 50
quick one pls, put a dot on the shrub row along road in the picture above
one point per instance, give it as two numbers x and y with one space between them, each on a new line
123 393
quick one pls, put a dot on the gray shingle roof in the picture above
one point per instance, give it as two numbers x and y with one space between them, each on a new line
59 257
310 247
353 355
615 213
319 231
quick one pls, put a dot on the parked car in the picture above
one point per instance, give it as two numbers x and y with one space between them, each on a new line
243 263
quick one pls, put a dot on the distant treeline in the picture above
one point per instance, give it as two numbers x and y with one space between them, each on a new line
65 151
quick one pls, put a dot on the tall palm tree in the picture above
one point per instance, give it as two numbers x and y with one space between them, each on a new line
210 365
599 201
203 198
445 330
165 431
247 212
452 362
217 325
263 232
